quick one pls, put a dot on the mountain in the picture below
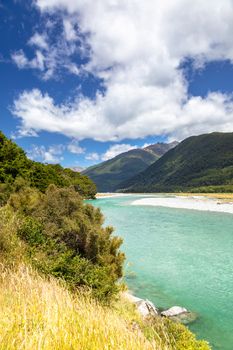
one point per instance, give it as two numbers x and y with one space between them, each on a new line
199 163
109 174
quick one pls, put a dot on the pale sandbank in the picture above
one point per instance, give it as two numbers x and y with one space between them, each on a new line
194 203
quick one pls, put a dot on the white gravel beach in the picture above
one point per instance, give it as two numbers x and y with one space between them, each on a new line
195 203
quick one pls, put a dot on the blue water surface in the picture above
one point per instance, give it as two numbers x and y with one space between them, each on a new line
179 257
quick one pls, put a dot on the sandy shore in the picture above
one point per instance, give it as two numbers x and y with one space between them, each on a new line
195 202
109 195
222 197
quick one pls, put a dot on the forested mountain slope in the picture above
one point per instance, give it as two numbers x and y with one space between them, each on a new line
199 163
109 174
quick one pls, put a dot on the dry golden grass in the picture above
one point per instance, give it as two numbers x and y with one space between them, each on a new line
41 314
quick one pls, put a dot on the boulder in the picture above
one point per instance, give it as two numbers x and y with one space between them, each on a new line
185 318
146 308
174 311
132 298
180 314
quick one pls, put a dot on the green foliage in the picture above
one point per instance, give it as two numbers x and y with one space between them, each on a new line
14 165
174 335
60 235
109 174
181 338
65 238
32 232
200 163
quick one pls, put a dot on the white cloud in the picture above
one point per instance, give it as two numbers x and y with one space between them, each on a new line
146 145
86 119
20 59
69 31
137 48
75 148
93 156
38 62
114 150
39 40
73 68
52 154
52 53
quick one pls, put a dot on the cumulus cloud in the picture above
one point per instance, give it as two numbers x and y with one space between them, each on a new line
93 156
114 150
75 148
52 154
39 40
20 59
69 30
23 62
89 119
137 48
52 53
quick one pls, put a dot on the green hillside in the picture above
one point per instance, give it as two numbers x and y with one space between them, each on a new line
15 167
200 163
109 174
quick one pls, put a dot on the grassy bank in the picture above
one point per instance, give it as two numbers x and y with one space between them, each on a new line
40 309
40 313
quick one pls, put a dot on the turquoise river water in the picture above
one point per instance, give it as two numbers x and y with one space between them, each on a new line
179 257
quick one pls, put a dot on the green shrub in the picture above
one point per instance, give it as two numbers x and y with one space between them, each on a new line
65 238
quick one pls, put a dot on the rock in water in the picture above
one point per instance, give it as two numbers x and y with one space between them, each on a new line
180 314
185 318
174 311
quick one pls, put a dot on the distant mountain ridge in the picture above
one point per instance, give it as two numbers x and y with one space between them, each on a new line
110 174
201 163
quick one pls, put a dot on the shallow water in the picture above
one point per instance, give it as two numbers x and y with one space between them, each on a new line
179 257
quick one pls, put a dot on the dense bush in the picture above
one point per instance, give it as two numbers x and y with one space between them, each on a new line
14 165
56 231
65 238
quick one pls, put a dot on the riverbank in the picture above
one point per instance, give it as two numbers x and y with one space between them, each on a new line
217 202
147 309
194 202
222 197
108 195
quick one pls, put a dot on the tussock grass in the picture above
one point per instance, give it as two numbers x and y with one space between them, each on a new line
36 313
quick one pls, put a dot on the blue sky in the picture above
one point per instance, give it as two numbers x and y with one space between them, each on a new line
81 81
